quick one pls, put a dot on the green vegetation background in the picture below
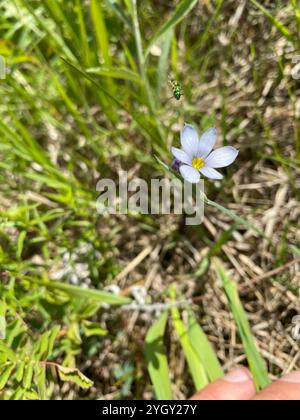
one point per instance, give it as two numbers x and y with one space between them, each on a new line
86 93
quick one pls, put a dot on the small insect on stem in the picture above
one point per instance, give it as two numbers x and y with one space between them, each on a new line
177 91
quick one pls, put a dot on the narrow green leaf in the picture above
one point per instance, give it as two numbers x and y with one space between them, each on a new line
7 352
174 54
93 328
139 120
20 244
62 21
75 376
156 358
3 307
296 7
30 394
44 345
16 328
40 377
41 346
163 62
101 36
79 10
52 337
118 9
204 350
100 31
18 394
53 37
295 249
28 375
5 374
97 295
20 371
196 367
256 363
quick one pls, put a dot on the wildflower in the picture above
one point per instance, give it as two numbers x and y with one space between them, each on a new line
197 157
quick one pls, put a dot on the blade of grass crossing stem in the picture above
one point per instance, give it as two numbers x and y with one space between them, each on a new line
256 363
156 358
183 8
196 368
204 350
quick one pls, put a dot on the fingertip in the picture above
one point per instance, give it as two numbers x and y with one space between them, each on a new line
285 389
236 385
238 375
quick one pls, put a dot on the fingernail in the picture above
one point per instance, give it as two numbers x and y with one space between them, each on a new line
293 378
237 376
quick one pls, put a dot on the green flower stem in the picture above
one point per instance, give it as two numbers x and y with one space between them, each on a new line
233 216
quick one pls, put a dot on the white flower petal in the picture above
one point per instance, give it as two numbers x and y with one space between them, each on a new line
189 140
221 157
211 173
190 174
181 155
207 142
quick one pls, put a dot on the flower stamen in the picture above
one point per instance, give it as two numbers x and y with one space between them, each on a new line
198 163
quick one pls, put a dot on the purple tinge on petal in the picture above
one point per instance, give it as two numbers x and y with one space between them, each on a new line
176 165
181 155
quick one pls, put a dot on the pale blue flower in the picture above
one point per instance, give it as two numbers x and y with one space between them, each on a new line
197 157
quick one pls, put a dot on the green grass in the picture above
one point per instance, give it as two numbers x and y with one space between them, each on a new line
86 94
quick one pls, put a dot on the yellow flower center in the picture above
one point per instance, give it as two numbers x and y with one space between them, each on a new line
198 163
